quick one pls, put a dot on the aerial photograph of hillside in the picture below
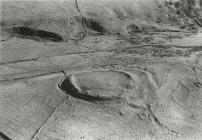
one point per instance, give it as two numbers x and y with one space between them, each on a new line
101 70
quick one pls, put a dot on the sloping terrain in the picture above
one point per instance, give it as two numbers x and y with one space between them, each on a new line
101 69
